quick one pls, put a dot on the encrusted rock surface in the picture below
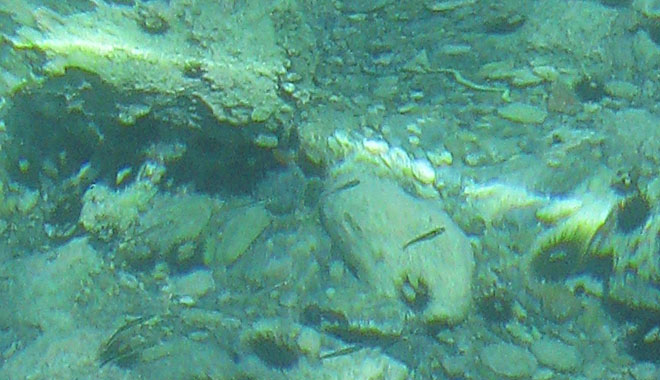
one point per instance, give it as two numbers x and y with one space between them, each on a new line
404 247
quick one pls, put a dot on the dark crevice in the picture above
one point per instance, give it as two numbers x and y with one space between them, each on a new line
73 121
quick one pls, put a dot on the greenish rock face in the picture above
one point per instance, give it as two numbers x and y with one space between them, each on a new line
243 227
404 247
509 360
136 54
556 354
523 113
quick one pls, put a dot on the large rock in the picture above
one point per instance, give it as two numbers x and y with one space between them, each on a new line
132 53
406 248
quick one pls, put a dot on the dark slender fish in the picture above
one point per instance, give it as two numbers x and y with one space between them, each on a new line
348 185
425 236
343 351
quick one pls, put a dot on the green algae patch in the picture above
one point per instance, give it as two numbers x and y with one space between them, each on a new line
522 113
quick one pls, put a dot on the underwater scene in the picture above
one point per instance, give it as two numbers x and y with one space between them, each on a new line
338 189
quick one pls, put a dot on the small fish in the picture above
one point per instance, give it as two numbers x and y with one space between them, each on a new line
348 185
341 352
135 336
425 236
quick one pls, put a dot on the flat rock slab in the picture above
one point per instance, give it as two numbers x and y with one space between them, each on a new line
509 360
557 355
404 247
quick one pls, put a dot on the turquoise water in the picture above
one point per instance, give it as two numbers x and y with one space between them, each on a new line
329 190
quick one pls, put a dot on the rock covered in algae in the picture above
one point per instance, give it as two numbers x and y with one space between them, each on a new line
404 247
106 213
523 113
569 247
509 361
234 73
240 231
556 354
149 224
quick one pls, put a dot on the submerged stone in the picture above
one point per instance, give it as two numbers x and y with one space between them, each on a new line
556 354
404 247
509 360
522 113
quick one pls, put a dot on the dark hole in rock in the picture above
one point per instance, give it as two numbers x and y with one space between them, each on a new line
74 120
589 90
313 315
226 164
633 213
566 256
282 190
415 296
274 352
495 304
652 27
557 260
599 266
642 341
63 212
